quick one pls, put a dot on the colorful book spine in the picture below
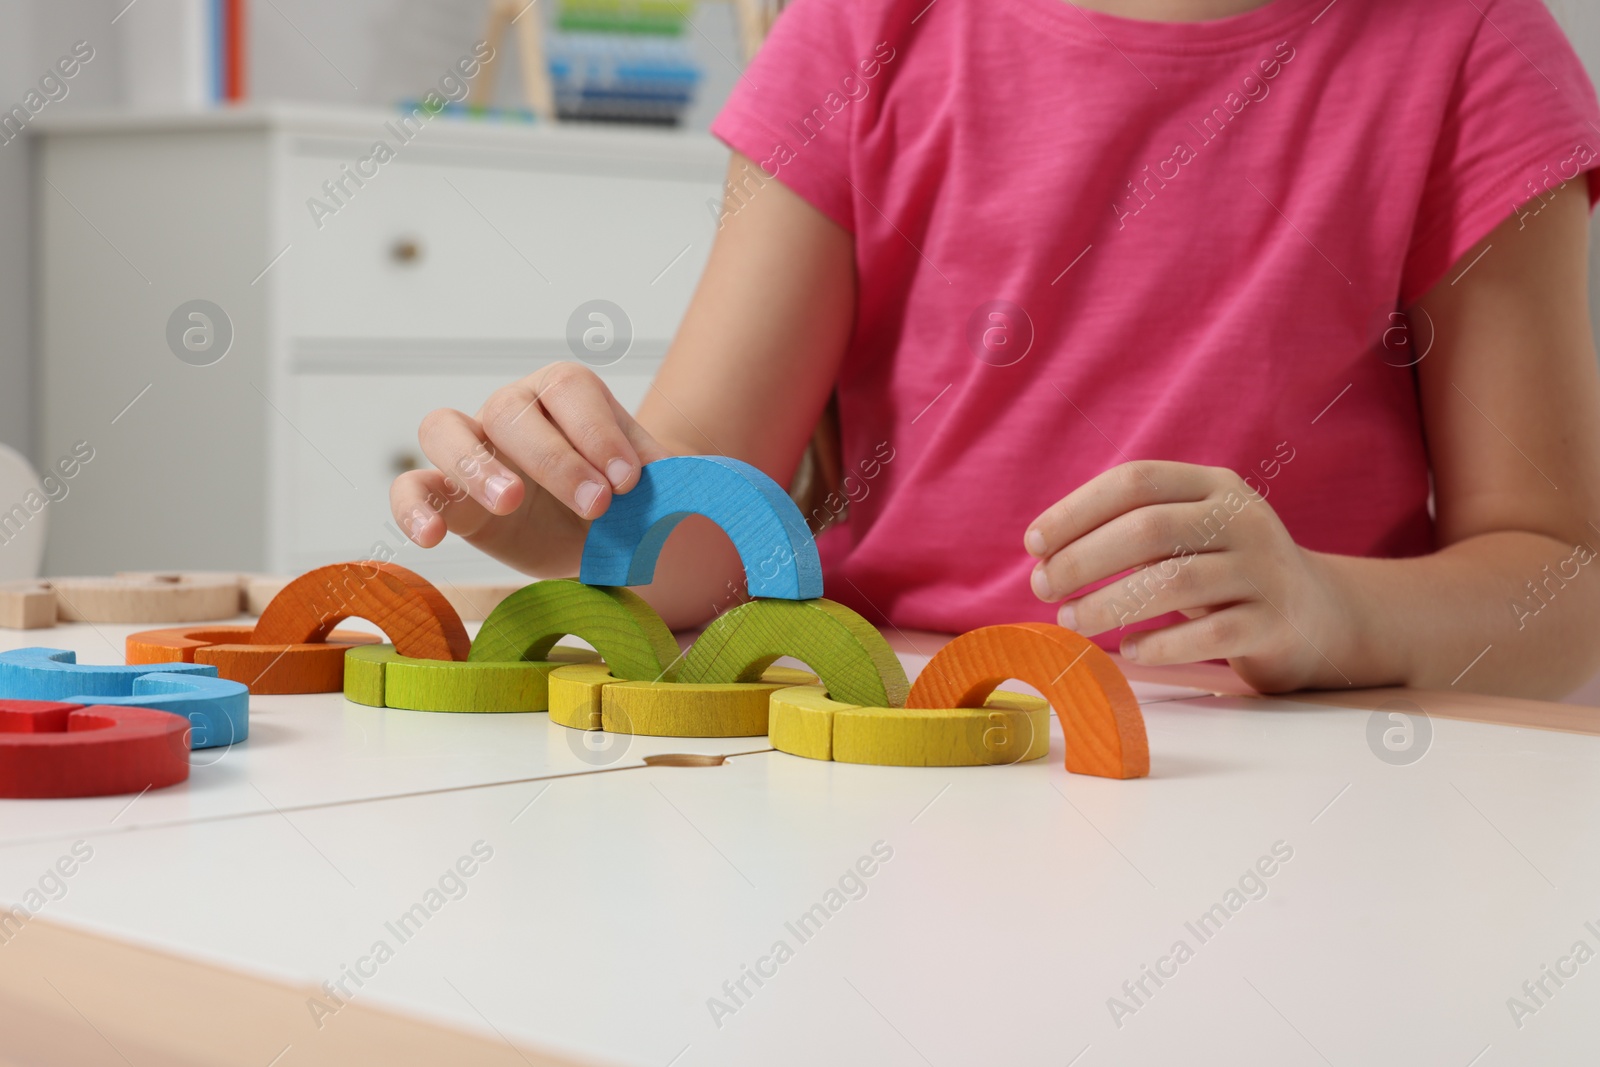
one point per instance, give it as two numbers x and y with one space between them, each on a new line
225 39
622 61
661 17
233 49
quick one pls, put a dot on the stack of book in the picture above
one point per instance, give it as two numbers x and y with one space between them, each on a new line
186 53
623 61
228 22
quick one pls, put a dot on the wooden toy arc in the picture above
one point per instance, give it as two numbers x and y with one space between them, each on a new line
294 648
590 697
779 556
56 749
216 708
147 597
314 667
850 656
1007 728
379 677
412 613
1099 714
624 630
508 666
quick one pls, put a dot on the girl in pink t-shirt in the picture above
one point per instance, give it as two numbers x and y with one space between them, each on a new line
1221 329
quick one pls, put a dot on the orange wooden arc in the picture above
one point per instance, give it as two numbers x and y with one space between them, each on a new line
1098 711
413 615
267 669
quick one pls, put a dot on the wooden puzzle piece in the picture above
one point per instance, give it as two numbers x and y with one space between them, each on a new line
219 710
259 589
855 663
56 674
147 597
626 631
1008 728
56 749
779 556
590 697
364 671
1098 711
378 676
266 669
412 613
240 581
27 605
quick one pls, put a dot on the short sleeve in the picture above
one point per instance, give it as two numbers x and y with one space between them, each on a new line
1522 119
781 113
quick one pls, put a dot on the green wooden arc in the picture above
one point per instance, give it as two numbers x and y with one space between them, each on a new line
846 651
633 640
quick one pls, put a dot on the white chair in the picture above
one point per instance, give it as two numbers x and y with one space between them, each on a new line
24 508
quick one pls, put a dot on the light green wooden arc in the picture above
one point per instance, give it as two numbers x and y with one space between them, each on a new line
363 674
848 653
380 677
633 640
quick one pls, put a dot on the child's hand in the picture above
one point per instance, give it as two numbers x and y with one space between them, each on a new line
521 478
1203 543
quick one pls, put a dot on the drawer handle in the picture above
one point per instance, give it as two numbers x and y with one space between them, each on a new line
404 461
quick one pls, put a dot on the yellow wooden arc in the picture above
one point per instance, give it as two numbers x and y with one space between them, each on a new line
1009 728
589 697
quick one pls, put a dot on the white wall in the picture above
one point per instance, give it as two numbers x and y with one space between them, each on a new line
349 52
16 381
33 35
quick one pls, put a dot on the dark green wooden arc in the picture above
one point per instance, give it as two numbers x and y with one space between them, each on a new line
846 651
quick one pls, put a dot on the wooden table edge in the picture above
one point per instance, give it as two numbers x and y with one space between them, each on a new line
66 994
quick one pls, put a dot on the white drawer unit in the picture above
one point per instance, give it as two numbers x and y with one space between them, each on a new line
422 281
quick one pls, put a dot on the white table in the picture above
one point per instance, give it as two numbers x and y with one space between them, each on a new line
1018 900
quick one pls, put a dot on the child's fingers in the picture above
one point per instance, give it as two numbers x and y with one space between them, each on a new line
1144 535
1185 583
455 444
647 448
1227 634
580 405
1114 492
520 431
427 506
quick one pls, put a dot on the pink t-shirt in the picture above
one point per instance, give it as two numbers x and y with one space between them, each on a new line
1084 239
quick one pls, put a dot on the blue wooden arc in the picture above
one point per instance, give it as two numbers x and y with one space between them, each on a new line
218 710
777 550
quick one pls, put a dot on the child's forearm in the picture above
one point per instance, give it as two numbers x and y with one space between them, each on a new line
1505 612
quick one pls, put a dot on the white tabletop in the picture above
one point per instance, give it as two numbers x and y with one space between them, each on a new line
1017 902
